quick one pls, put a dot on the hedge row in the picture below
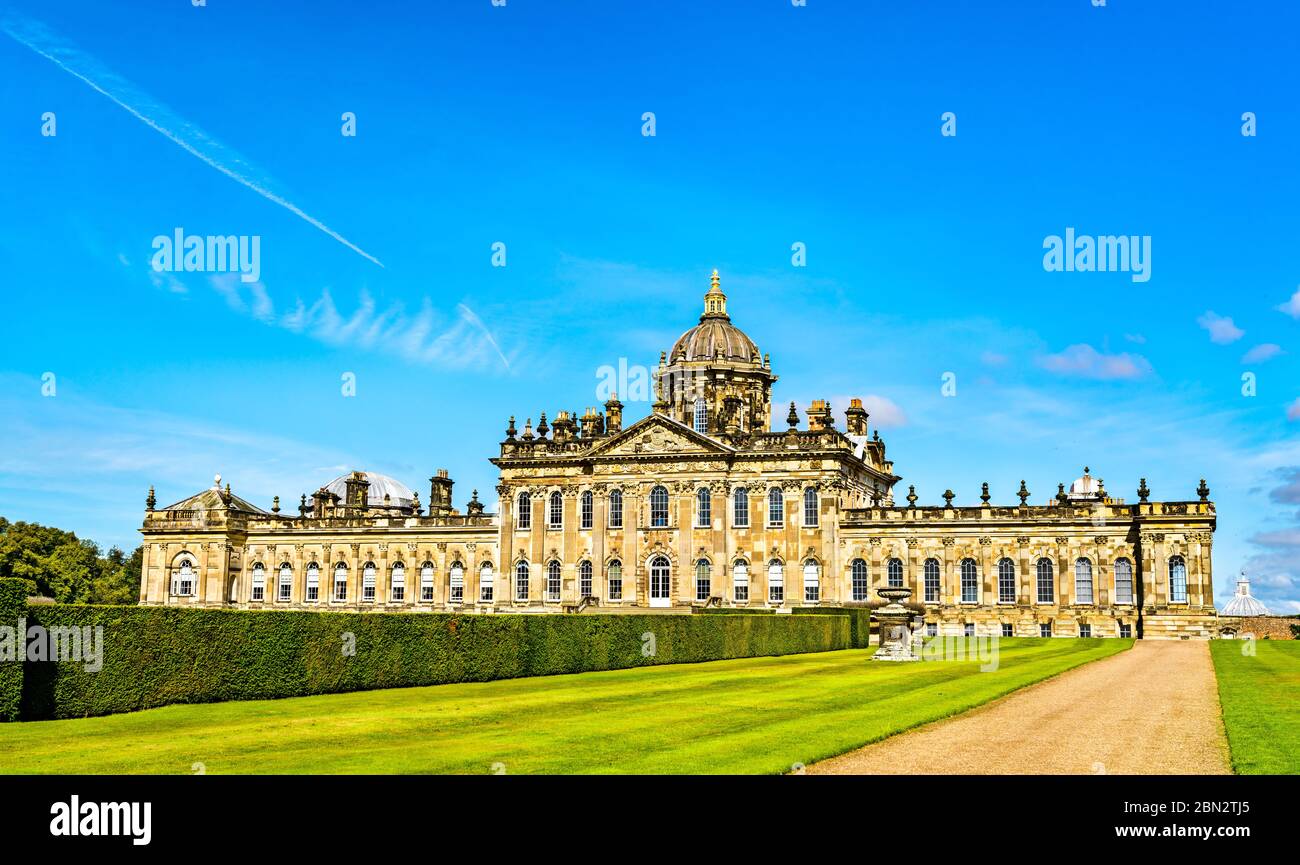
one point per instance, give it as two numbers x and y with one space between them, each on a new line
13 606
154 656
860 618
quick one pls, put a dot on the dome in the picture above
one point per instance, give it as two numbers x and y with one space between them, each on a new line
703 342
1086 487
400 495
715 333
1242 603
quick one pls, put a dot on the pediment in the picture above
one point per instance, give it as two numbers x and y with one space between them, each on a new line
657 435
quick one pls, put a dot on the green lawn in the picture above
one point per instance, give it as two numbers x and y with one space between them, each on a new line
1260 695
748 715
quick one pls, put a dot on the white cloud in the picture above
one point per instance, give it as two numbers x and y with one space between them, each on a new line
1085 361
885 413
1292 306
1293 410
1262 352
1222 330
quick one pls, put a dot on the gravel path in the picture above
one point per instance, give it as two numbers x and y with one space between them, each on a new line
1153 710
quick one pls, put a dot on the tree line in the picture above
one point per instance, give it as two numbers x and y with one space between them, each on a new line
69 569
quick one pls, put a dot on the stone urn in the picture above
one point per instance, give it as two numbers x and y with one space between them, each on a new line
895 625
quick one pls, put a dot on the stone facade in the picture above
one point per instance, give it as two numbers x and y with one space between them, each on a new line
699 503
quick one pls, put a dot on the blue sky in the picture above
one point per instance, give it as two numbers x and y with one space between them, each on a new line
774 125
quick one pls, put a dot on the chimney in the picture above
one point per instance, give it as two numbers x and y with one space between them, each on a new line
613 415
855 417
819 416
440 494
356 491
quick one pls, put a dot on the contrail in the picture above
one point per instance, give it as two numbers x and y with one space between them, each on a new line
157 116
469 315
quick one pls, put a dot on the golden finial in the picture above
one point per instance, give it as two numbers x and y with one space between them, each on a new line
715 281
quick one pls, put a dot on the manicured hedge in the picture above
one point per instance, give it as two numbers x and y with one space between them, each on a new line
860 618
154 656
13 606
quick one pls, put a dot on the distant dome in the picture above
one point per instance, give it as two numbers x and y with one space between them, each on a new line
1085 487
400 495
715 333
1242 604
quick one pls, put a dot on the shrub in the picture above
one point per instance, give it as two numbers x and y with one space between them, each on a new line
13 605
154 656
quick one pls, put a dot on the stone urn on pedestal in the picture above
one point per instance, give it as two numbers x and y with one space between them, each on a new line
895 625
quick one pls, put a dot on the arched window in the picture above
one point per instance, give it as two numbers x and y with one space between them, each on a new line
616 509
1046 582
703 580
286 581
1177 580
368 582
585 582
740 513
555 513
259 581
932 581
426 582
185 578
1083 581
456 576
701 415
1123 581
616 580
740 581
812 582
895 573
1006 581
703 508
521 581
970 582
810 507
340 582
399 581
776 581
553 581
313 583
485 579
525 511
660 579
587 509
858 578
658 507
775 507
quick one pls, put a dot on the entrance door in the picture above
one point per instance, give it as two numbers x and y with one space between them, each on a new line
659 582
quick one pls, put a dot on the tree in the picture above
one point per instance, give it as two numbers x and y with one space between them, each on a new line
66 568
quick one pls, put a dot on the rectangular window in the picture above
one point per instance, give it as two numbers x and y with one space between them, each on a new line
810 508
1123 582
340 585
740 515
1006 582
286 583
740 582
616 510
615 582
970 588
485 577
812 588
776 583
932 629
969 629
1125 630
1045 629
588 515
313 584
704 517
1085 631
368 584
426 583
259 583
1008 630
931 581
457 584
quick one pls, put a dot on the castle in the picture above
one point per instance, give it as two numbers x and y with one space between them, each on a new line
701 503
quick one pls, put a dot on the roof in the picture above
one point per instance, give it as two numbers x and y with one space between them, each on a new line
712 334
1242 603
400 495
211 500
